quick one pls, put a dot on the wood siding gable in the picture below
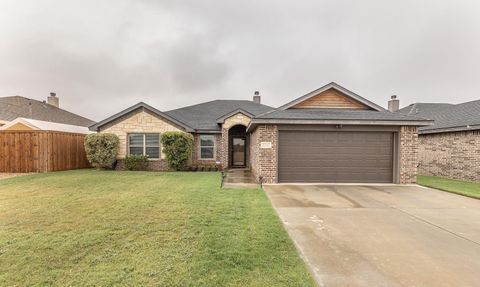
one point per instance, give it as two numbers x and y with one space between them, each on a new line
330 99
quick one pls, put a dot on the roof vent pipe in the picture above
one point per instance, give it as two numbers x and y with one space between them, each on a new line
256 97
393 104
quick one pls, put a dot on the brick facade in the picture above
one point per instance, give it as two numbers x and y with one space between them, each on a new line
237 119
408 156
196 151
264 161
139 121
454 155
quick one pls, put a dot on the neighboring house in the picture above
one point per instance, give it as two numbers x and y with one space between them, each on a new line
451 146
328 135
22 124
15 107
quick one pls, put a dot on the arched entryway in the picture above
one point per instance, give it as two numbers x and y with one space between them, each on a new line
238 146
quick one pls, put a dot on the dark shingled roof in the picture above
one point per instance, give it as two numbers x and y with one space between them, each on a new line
447 117
17 106
424 110
204 116
337 114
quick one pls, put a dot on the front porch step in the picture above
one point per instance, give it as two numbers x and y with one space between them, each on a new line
239 178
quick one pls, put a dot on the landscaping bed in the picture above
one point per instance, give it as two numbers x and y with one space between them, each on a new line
120 228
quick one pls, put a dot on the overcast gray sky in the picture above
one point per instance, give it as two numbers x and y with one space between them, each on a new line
104 56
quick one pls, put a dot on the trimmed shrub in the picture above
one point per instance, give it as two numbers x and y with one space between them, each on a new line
177 147
101 149
136 162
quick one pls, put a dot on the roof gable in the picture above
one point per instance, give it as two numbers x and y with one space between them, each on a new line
331 96
140 105
203 117
222 119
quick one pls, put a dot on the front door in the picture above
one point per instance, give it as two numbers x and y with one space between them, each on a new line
238 152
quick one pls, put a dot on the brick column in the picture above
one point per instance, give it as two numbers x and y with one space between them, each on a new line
408 154
264 160
224 148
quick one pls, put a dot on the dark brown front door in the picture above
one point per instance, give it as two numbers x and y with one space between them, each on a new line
238 151
317 156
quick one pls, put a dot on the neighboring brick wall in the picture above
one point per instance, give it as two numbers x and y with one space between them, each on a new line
140 121
454 155
408 144
237 119
196 151
264 161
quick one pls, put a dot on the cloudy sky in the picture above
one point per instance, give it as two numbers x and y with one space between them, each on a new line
104 56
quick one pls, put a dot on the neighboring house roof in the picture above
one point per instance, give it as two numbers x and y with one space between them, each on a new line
17 106
139 106
204 116
425 110
45 126
337 87
447 117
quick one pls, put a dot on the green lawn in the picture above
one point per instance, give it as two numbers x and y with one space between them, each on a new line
105 228
467 188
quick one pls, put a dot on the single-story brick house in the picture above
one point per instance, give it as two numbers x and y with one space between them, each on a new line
328 135
451 146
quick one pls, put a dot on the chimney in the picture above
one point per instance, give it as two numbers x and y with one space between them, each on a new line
53 100
393 104
256 97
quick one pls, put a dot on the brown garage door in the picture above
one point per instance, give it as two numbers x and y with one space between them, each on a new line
313 156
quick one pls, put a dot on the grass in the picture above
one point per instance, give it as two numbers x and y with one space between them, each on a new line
467 188
104 228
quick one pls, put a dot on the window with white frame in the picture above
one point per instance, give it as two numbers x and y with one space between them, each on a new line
144 144
207 147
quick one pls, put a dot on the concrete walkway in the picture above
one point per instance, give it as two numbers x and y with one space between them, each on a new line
239 178
382 235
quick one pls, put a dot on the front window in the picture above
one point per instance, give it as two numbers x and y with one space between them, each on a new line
144 144
207 147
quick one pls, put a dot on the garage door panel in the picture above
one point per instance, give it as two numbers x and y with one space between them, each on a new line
312 156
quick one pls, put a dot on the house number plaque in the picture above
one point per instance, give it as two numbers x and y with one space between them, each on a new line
266 145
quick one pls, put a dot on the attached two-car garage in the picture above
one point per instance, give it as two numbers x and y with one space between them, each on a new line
336 156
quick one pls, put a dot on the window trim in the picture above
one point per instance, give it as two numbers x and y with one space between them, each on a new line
200 147
144 146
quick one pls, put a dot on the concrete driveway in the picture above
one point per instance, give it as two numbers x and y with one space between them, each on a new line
382 235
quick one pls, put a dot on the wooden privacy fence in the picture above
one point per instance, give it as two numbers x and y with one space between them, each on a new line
41 151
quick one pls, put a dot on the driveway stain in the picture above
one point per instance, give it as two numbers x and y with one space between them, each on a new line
354 203
377 188
287 199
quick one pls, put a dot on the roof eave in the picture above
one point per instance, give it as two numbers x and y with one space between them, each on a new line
207 131
256 122
450 129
